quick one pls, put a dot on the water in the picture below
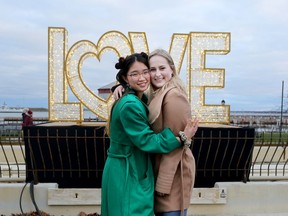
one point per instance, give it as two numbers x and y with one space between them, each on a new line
42 114
4 125
234 115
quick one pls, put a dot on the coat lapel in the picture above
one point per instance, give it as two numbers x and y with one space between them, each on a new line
156 104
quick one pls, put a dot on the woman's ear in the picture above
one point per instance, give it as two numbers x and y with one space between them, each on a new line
125 79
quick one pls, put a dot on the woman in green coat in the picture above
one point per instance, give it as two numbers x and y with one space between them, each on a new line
128 181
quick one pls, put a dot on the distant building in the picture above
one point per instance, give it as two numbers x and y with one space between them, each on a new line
105 91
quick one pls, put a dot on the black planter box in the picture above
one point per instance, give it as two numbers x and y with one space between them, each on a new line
74 156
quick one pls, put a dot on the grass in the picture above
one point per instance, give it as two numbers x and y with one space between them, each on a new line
272 137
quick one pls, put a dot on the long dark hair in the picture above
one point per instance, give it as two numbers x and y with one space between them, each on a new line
124 65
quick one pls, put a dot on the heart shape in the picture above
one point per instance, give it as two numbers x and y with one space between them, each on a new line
111 41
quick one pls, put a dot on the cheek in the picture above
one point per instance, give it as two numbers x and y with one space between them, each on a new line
153 82
168 75
129 81
149 78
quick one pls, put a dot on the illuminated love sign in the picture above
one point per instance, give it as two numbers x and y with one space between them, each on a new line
65 71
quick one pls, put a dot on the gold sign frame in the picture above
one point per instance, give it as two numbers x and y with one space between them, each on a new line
64 70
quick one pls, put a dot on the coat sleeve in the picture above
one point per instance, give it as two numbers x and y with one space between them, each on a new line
176 111
135 121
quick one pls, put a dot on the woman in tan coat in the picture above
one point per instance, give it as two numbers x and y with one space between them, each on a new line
169 107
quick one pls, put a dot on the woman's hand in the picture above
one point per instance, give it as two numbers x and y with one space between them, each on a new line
191 128
118 92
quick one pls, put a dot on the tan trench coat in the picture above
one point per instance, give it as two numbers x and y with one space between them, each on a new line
174 171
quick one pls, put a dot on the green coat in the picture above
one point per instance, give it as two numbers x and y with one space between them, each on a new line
128 181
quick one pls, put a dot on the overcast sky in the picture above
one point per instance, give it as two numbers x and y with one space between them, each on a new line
255 67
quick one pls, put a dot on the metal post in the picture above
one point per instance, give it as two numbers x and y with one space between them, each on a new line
281 115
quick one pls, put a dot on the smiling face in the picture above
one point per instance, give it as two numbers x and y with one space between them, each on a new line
138 77
160 71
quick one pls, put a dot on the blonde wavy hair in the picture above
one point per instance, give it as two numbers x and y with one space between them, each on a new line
175 79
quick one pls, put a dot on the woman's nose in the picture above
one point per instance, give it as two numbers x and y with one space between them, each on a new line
157 73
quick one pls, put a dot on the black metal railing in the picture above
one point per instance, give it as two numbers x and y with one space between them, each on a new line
12 156
219 155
